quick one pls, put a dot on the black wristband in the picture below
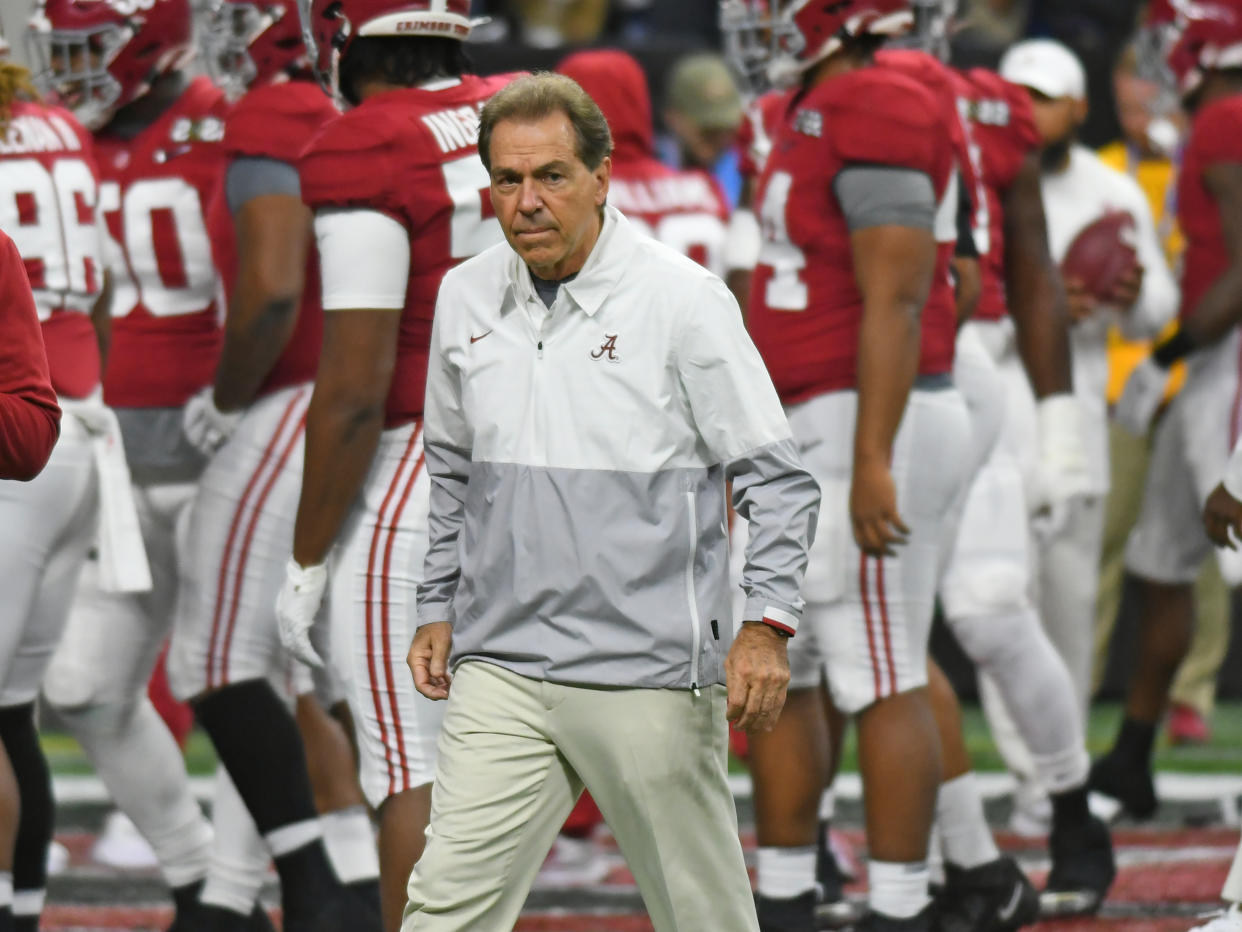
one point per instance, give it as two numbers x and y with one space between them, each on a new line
1173 349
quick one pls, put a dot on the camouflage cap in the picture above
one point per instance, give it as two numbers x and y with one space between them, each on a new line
702 88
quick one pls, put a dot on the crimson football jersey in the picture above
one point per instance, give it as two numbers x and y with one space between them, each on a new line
276 121
754 136
805 307
1002 131
1215 138
49 192
412 154
157 188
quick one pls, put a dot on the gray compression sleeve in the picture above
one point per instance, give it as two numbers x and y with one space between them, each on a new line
872 196
250 177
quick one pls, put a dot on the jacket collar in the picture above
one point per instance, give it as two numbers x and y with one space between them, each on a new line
609 258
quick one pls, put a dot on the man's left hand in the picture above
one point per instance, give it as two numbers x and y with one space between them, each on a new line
757 676
1222 514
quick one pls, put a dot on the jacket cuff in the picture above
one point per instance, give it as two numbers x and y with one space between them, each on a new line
432 612
781 617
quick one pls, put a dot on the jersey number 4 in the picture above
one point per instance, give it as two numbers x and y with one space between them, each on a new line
786 291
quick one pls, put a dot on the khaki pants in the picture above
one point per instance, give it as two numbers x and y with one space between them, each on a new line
515 754
1195 683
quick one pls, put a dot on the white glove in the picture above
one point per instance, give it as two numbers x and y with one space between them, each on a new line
296 608
205 425
1062 469
1140 399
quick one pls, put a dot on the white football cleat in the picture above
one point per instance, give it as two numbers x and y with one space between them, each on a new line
57 859
122 846
573 862
1230 920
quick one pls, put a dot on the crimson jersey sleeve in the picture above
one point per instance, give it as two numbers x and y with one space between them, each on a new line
352 162
1216 134
1215 139
29 415
880 117
936 77
275 121
1004 125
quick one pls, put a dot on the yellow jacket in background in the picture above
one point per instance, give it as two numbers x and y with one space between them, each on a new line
1156 177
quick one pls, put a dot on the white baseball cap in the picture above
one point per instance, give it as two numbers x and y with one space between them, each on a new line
1046 66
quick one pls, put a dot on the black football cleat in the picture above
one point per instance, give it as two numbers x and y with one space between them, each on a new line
1128 783
993 897
926 921
1083 869
833 909
796 914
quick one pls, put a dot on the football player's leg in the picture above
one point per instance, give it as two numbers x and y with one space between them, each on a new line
239 856
1067 586
56 514
982 888
1164 552
225 645
789 768
877 663
373 620
343 812
97 683
10 811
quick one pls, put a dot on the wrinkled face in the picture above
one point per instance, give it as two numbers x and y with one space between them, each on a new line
547 200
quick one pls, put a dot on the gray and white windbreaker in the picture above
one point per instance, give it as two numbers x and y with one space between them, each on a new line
578 467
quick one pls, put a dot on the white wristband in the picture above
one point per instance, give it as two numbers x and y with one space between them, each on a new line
743 241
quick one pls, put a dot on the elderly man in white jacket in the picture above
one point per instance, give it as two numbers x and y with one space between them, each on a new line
1079 189
590 391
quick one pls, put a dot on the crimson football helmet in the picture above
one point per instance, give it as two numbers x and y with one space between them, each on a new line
778 40
331 25
1209 40
253 42
96 56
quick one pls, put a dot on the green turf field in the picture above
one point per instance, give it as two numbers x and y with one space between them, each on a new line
1222 755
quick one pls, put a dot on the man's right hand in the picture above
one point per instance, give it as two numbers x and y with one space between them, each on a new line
205 426
878 527
429 657
1079 300
1222 515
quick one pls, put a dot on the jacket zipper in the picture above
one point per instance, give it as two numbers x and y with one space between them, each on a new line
695 634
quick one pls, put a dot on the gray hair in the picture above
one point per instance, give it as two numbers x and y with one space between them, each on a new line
535 96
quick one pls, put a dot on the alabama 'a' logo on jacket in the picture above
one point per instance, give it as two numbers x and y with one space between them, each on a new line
608 350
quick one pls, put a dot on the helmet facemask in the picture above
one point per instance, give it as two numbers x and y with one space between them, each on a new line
71 66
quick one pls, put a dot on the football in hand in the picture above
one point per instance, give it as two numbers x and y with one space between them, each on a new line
1102 254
